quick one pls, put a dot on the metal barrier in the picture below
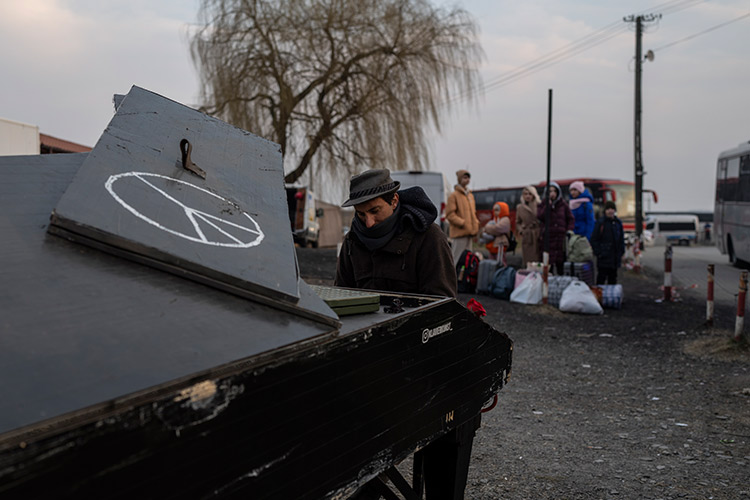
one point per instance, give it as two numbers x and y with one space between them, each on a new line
710 296
740 321
668 273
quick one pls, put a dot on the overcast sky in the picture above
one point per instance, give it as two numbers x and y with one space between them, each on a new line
62 60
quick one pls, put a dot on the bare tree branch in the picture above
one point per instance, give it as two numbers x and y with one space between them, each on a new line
339 84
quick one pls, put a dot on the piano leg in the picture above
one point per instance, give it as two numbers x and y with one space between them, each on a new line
446 462
442 467
417 476
378 488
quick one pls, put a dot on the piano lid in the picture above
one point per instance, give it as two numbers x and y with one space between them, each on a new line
82 329
171 187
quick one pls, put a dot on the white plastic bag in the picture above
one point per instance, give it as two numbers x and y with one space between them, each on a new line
579 298
529 291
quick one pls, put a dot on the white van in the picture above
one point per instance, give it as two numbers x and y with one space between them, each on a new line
679 229
303 216
434 184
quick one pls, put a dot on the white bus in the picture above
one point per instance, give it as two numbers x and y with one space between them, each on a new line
732 208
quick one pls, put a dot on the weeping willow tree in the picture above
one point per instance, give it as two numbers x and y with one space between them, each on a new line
339 84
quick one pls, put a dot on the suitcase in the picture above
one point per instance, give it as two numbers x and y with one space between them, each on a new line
487 269
584 271
556 286
611 296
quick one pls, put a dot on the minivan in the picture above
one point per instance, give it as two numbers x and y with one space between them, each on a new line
671 229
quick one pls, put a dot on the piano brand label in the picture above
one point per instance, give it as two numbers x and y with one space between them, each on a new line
429 333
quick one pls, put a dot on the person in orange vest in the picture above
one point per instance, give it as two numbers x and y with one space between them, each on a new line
496 234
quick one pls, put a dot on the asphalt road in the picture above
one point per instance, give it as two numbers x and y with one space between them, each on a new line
690 271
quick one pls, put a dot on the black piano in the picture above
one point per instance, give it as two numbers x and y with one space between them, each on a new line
156 340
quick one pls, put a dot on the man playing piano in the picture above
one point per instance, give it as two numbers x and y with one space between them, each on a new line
394 246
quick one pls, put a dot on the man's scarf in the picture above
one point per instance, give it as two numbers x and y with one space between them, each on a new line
414 208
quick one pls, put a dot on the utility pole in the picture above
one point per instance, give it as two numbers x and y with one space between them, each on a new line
639 20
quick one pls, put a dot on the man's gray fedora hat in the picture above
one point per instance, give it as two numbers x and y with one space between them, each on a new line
369 185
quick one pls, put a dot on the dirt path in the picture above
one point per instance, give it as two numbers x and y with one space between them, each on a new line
642 402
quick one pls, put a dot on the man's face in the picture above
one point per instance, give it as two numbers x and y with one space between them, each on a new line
465 179
610 213
373 212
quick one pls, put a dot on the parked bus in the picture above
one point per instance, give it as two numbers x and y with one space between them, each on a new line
621 192
732 207
486 198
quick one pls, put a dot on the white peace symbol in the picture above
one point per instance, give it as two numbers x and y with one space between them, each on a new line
254 235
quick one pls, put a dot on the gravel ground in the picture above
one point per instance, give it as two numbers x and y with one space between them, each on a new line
639 403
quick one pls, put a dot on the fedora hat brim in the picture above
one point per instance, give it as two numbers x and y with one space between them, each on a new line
371 194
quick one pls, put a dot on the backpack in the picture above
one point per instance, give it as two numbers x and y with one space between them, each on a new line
503 282
467 270
579 248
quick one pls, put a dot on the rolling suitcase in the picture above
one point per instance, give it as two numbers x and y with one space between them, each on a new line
584 271
556 287
487 269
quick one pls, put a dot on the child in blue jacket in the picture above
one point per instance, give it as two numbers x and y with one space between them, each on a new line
582 206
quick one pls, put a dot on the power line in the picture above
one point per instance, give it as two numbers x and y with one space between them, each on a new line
591 40
679 5
547 61
574 48
708 30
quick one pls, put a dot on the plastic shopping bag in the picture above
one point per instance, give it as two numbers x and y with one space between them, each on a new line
520 276
579 298
529 291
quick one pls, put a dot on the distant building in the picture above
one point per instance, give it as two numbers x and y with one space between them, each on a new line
18 138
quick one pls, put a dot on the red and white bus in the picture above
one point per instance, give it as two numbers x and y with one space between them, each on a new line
732 208
621 192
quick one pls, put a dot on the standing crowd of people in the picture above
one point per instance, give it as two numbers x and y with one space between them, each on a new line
545 222
393 244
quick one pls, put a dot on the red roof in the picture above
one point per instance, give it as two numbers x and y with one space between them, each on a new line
51 144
